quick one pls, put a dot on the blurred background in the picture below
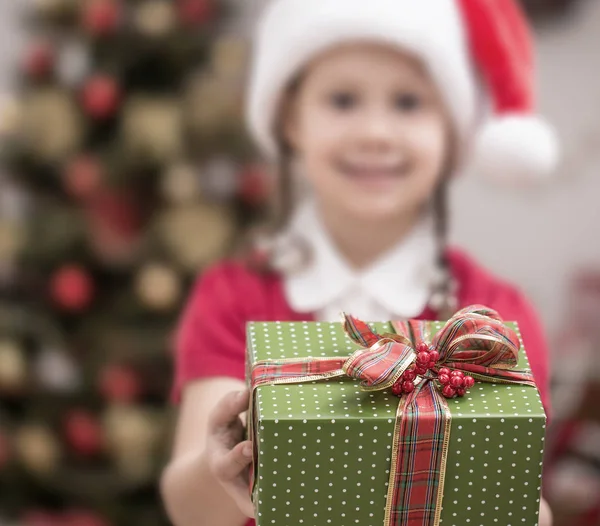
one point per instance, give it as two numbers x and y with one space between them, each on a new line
125 170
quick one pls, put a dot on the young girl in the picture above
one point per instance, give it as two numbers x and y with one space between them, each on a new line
376 106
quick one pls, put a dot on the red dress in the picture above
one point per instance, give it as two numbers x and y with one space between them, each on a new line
211 336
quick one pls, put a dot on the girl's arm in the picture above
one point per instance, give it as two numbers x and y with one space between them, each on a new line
204 483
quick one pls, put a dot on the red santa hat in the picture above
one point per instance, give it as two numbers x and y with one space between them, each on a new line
478 51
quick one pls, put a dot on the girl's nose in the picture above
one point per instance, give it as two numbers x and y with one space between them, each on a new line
377 128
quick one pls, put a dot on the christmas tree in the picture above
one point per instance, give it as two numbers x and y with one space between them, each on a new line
126 171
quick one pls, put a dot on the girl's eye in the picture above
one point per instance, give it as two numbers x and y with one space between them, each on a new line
343 101
408 102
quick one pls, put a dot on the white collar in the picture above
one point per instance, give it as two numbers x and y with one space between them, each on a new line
400 281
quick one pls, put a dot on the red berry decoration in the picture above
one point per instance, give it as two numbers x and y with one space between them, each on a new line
409 375
421 370
469 382
101 18
444 379
197 12
83 433
434 356
39 60
456 381
461 391
408 386
72 288
448 391
431 365
423 357
444 370
397 388
422 347
460 374
101 96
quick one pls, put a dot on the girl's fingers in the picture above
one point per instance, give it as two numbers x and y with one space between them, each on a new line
228 409
230 469
230 465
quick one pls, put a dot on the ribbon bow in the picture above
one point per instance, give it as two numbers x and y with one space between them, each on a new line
473 341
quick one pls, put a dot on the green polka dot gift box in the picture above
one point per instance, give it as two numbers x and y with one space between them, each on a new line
409 423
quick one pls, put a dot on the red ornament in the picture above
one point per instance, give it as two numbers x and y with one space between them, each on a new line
4 451
448 391
408 386
83 176
444 370
119 383
197 12
461 391
72 288
41 518
101 17
423 358
434 356
254 188
444 379
460 374
469 382
82 518
83 433
431 365
101 96
39 60
456 381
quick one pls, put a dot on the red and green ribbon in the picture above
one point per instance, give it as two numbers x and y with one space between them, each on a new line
475 341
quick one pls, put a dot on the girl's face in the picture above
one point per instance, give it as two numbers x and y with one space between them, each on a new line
370 131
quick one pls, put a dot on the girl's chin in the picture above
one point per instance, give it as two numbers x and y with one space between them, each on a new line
376 210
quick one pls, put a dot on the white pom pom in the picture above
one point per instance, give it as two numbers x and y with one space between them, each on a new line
516 149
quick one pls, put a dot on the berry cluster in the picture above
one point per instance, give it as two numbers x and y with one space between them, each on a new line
426 359
455 383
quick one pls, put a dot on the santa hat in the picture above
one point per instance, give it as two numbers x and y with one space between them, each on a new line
478 51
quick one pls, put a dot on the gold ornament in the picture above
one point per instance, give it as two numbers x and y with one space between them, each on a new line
155 18
12 238
158 286
52 126
197 235
211 103
50 7
229 56
13 366
37 448
180 183
152 129
132 436
10 115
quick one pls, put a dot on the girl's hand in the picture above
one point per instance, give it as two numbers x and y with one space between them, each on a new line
228 454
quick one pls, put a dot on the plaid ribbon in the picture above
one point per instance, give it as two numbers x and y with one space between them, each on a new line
475 340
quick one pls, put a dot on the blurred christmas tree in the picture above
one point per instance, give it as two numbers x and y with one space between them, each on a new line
126 172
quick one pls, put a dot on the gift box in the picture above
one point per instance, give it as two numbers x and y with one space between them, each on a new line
334 445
